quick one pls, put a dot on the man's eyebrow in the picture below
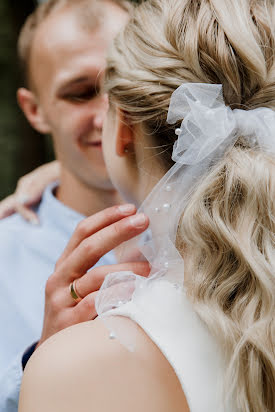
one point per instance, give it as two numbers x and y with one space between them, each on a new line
64 84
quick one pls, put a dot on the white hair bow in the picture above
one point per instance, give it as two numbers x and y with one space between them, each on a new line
209 127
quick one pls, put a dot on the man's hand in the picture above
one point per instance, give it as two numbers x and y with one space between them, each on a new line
92 239
29 191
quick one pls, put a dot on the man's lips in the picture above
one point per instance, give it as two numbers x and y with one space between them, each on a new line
94 143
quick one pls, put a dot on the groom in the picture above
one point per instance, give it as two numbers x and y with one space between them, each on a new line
62 49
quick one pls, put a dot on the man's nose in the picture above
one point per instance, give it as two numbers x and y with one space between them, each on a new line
98 121
99 117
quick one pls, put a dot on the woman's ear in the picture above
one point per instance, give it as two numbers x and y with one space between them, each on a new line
32 110
125 134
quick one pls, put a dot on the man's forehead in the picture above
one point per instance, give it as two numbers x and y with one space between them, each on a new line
75 46
63 47
63 32
65 26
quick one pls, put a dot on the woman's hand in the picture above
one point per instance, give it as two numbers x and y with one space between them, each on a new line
92 239
29 191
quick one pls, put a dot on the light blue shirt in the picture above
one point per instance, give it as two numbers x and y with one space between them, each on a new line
28 254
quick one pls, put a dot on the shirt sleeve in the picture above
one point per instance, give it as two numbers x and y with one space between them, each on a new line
27 354
10 382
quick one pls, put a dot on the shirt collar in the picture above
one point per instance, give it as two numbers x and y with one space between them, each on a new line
52 211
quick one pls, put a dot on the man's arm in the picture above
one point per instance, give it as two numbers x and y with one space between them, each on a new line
10 382
81 369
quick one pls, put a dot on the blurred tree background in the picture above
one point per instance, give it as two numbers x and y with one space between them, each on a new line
21 148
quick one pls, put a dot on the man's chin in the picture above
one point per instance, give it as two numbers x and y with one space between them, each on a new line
99 182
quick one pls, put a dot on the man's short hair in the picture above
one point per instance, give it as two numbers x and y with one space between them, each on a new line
88 12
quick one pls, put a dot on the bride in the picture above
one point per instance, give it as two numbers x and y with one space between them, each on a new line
199 74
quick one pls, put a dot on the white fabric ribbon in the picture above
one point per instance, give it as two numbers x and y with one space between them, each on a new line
209 126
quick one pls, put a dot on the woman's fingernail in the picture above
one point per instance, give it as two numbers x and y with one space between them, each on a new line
127 209
138 221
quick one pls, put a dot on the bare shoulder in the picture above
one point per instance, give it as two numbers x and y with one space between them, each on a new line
81 368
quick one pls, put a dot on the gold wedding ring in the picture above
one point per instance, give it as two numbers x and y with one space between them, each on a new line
74 293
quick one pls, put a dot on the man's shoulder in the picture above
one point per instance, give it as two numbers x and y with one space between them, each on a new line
14 232
14 224
15 229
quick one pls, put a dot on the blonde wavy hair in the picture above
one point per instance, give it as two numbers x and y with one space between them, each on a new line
229 224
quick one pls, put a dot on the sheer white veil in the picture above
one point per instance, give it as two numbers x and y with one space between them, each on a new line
208 129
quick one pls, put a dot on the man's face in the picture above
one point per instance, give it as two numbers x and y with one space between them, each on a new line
67 66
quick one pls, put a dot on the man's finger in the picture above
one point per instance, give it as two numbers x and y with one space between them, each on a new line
93 279
95 223
93 248
7 206
27 214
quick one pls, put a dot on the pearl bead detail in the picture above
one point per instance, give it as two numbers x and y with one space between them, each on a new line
166 207
112 336
168 188
178 131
